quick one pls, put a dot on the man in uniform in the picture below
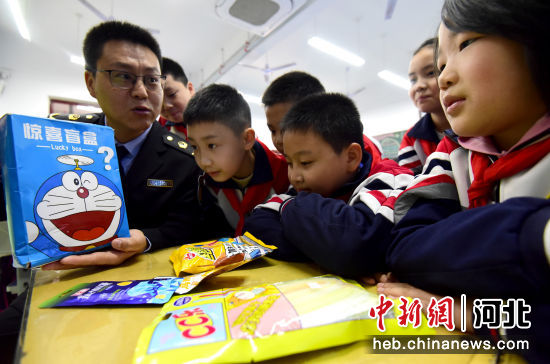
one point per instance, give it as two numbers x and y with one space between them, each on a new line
159 174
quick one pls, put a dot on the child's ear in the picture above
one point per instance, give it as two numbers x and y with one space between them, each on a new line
191 88
249 138
354 155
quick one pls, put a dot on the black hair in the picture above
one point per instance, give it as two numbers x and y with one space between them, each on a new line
332 116
291 87
115 30
524 21
427 43
171 67
221 104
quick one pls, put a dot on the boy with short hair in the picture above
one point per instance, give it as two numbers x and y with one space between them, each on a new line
240 172
341 211
286 91
178 90
281 95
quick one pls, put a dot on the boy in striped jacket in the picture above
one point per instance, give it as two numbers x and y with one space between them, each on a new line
340 210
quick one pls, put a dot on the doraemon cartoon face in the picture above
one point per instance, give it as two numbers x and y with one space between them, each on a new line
78 209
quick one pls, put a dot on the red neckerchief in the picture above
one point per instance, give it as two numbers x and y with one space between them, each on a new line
487 174
253 196
169 124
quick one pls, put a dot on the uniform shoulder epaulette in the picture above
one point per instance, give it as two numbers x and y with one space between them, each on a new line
88 118
178 143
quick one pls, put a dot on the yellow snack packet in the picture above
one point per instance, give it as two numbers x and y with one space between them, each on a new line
242 325
208 255
191 281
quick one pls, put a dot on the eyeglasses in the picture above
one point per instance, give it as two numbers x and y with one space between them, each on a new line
126 80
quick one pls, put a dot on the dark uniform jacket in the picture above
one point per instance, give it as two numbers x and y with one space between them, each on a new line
160 188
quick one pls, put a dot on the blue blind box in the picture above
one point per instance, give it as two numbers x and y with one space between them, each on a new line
62 187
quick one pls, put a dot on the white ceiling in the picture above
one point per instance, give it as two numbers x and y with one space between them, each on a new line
190 32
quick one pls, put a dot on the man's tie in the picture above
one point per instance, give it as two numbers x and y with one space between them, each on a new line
121 152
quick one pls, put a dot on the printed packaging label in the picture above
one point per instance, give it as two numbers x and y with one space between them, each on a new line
62 187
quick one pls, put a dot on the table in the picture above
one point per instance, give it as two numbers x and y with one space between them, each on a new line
109 335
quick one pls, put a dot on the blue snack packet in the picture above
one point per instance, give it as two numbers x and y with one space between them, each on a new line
62 187
137 292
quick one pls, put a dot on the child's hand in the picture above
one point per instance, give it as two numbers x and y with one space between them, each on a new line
378 278
395 290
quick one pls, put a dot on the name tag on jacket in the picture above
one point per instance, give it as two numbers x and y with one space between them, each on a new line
160 183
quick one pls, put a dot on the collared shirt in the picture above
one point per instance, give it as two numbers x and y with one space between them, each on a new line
133 147
487 146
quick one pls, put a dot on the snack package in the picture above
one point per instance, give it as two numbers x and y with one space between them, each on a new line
263 322
62 187
151 291
208 255
191 281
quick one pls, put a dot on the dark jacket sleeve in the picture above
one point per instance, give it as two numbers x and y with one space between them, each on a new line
349 240
491 251
265 224
345 238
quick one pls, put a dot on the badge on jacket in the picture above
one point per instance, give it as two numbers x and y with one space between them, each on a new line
163 183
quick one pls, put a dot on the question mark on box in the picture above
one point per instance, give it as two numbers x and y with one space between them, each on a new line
108 157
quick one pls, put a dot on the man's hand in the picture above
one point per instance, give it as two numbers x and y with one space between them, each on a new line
123 248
